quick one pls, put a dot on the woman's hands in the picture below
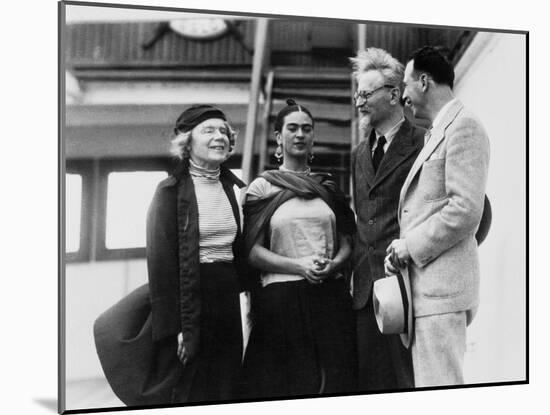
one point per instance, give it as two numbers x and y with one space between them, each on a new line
313 268
325 268
306 266
319 268
316 268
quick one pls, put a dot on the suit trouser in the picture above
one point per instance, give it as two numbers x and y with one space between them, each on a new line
384 363
438 349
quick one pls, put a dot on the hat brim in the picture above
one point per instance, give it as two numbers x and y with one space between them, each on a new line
406 338
392 303
485 222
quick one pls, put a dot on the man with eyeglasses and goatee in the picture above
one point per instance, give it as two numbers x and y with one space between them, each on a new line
380 164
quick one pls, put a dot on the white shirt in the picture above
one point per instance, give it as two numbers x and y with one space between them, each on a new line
388 136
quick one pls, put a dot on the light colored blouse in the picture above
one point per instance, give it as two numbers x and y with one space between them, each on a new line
299 227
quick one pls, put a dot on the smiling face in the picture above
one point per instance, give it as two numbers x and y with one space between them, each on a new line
210 143
413 92
380 103
296 135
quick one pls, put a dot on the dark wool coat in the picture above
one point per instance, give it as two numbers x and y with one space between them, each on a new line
376 197
135 338
173 253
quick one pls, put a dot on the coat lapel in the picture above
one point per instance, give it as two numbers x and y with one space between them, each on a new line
437 135
364 161
398 151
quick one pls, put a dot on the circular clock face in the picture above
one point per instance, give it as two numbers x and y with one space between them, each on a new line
202 28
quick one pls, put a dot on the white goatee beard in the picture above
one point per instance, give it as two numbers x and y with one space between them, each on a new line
364 126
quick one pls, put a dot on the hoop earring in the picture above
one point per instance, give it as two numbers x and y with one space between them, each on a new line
279 154
310 157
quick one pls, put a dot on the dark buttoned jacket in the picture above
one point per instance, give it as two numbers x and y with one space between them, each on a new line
136 337
376 198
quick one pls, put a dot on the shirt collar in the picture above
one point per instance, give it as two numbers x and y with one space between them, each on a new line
441 114
391 132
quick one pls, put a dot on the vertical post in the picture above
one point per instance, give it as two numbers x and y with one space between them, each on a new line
355 138
361 36
265 121
361 45
257 68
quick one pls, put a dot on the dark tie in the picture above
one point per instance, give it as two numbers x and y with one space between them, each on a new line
378 152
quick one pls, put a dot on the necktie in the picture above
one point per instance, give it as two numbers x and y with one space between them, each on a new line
378 152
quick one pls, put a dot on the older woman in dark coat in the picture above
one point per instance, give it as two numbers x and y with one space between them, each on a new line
189 348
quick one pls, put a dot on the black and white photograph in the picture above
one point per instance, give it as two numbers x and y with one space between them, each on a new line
259 207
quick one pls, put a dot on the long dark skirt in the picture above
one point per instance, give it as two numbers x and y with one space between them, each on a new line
219 360
302 341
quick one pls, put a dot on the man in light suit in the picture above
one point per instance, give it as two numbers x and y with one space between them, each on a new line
440 207
379 167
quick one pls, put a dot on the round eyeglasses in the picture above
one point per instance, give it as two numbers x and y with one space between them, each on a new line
366 95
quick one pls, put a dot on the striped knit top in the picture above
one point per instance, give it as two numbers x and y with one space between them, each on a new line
217 226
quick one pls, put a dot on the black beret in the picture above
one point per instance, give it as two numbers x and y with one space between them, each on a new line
196 114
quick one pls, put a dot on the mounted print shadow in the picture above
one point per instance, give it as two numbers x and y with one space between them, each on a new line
259 207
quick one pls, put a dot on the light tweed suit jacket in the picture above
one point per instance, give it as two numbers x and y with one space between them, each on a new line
440 208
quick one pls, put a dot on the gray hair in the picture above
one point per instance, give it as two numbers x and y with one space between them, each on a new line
180 145
379 60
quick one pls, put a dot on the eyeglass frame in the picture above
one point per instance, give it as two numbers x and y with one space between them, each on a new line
368 95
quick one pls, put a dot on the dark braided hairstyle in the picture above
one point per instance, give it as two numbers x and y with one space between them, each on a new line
292 106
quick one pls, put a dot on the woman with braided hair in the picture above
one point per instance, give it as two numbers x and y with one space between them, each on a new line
297 230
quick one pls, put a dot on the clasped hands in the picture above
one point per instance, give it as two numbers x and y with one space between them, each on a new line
397 256
315 268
